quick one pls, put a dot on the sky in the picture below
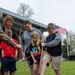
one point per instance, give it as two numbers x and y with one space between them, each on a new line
60 12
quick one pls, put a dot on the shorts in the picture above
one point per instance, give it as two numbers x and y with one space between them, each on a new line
38 59
55 60
30 61
9 64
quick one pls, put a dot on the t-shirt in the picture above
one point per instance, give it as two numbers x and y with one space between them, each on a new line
36 50
26 38
8 50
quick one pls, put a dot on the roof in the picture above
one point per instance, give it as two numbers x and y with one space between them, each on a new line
22 17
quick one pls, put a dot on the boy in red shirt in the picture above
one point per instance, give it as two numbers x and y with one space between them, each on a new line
9 55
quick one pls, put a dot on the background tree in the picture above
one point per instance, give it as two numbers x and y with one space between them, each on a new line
71 41
25 10
64 49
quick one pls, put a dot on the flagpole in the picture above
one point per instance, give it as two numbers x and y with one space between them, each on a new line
67 43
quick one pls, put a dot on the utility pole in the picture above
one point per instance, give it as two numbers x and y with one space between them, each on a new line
67 43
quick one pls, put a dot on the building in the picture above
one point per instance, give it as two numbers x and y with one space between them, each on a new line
18 21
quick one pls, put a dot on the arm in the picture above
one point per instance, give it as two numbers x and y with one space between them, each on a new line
16 50
31 52
34 60
55 42
16 53
42 37
39 33
7 39
32 55
2 53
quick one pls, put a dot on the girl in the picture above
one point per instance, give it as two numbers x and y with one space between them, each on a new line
35 50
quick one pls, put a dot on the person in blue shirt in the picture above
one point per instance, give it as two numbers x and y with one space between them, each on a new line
26 41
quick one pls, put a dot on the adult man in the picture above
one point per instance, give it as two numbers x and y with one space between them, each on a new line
26 40
53 52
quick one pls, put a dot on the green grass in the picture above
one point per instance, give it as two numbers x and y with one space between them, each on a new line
67 68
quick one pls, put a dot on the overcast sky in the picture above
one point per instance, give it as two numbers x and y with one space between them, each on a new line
61 12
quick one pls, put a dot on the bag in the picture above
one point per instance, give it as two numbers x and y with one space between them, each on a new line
19 56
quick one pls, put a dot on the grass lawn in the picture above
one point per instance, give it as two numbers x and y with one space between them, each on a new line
67 68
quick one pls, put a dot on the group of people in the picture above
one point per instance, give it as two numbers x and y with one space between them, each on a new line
39 51
8 53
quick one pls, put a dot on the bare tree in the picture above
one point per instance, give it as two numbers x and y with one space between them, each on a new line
25 10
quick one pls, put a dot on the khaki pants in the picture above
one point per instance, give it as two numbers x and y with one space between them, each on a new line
55 60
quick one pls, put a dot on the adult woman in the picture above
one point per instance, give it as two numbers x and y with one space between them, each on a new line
8 22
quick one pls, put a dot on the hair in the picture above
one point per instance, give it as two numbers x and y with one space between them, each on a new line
50 25
26 22
8 18
38 38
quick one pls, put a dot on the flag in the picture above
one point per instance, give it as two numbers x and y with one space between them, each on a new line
60 29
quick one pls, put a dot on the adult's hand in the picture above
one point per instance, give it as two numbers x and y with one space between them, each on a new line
18 46
42 44
43 39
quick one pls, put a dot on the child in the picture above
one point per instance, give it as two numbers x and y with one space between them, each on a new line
35 50
8 56
53 52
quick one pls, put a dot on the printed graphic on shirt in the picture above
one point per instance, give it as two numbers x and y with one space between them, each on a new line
36 51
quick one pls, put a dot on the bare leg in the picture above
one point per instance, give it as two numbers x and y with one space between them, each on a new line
6 73
57 72
43 67
39 67
31 69
12 73
35 69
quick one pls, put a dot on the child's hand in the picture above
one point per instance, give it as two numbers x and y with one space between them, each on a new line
34 61
15 56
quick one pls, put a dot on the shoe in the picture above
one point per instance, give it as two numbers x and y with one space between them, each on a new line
21 59
47 64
